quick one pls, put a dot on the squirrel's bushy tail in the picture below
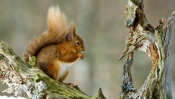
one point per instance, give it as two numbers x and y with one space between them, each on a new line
57 29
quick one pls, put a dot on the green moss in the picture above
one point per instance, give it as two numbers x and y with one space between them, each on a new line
64 90
54 89
32 62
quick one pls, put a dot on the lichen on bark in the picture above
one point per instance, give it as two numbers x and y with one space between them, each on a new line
27 80
155 43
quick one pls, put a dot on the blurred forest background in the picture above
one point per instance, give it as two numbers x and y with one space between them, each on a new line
101 24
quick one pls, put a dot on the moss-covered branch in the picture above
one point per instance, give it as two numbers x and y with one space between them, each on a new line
32 82
155 43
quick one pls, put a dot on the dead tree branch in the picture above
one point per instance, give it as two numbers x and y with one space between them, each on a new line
155 42
30 82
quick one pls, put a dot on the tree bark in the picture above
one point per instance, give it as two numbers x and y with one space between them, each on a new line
155 42
27 80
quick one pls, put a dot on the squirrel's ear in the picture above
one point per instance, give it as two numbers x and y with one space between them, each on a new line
71 32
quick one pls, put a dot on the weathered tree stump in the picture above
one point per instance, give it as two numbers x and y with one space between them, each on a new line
155 42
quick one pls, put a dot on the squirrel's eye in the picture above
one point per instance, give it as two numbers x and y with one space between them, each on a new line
77 43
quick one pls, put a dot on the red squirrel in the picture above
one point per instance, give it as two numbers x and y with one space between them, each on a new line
58 47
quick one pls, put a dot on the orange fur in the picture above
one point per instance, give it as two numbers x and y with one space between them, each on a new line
57 48
57 30
53 71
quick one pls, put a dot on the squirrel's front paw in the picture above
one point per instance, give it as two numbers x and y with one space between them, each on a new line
81 56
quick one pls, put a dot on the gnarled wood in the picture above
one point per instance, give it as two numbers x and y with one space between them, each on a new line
155 43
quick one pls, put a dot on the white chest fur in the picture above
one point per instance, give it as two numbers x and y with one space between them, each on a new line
63 68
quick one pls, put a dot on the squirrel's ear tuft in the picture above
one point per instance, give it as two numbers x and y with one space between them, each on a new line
71 32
